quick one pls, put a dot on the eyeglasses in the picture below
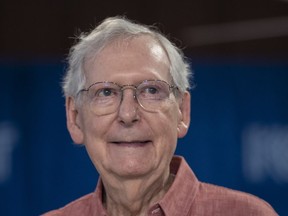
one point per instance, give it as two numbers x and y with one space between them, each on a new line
105 97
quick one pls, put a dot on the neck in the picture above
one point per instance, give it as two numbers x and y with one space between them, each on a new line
131 197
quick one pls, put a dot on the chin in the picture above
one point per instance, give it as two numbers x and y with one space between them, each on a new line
133 170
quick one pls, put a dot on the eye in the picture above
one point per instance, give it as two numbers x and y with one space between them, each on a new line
151 90
106 92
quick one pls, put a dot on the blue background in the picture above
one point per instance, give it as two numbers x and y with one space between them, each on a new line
42 169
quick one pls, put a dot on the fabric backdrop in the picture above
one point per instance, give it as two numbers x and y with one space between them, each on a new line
238 136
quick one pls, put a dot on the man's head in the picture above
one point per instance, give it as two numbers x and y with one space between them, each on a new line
126 99
112 29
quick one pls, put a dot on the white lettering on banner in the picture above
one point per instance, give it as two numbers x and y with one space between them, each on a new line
9 136
265 153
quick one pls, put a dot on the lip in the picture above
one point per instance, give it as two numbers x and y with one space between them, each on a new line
135 143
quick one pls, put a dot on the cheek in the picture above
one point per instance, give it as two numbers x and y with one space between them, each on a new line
167 122
95 134
167 136
171 114
95 128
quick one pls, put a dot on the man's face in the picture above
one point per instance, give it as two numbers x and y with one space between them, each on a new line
130 142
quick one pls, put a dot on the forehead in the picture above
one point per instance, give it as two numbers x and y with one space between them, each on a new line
140 56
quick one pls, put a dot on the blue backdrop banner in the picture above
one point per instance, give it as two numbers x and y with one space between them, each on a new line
238 136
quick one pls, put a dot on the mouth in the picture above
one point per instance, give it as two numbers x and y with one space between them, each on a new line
135 143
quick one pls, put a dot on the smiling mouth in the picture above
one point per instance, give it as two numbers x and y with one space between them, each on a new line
132 143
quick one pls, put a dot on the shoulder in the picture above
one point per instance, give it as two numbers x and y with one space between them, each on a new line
73 208
231 202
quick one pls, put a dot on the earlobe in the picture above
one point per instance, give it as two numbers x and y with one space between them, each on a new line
73 123
184 115
182 129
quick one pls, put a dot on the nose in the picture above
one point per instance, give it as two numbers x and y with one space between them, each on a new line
128 109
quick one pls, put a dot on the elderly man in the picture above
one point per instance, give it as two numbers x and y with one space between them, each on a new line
127 102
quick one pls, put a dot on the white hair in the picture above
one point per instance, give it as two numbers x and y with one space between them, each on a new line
109 30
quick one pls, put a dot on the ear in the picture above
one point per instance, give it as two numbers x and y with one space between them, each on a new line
73 121
184 114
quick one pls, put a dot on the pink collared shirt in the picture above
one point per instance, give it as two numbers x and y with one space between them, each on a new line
186 197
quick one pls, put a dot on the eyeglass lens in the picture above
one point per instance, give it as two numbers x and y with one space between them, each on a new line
105 97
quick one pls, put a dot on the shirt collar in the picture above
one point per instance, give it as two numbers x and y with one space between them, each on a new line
183 190
99 209
178 198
